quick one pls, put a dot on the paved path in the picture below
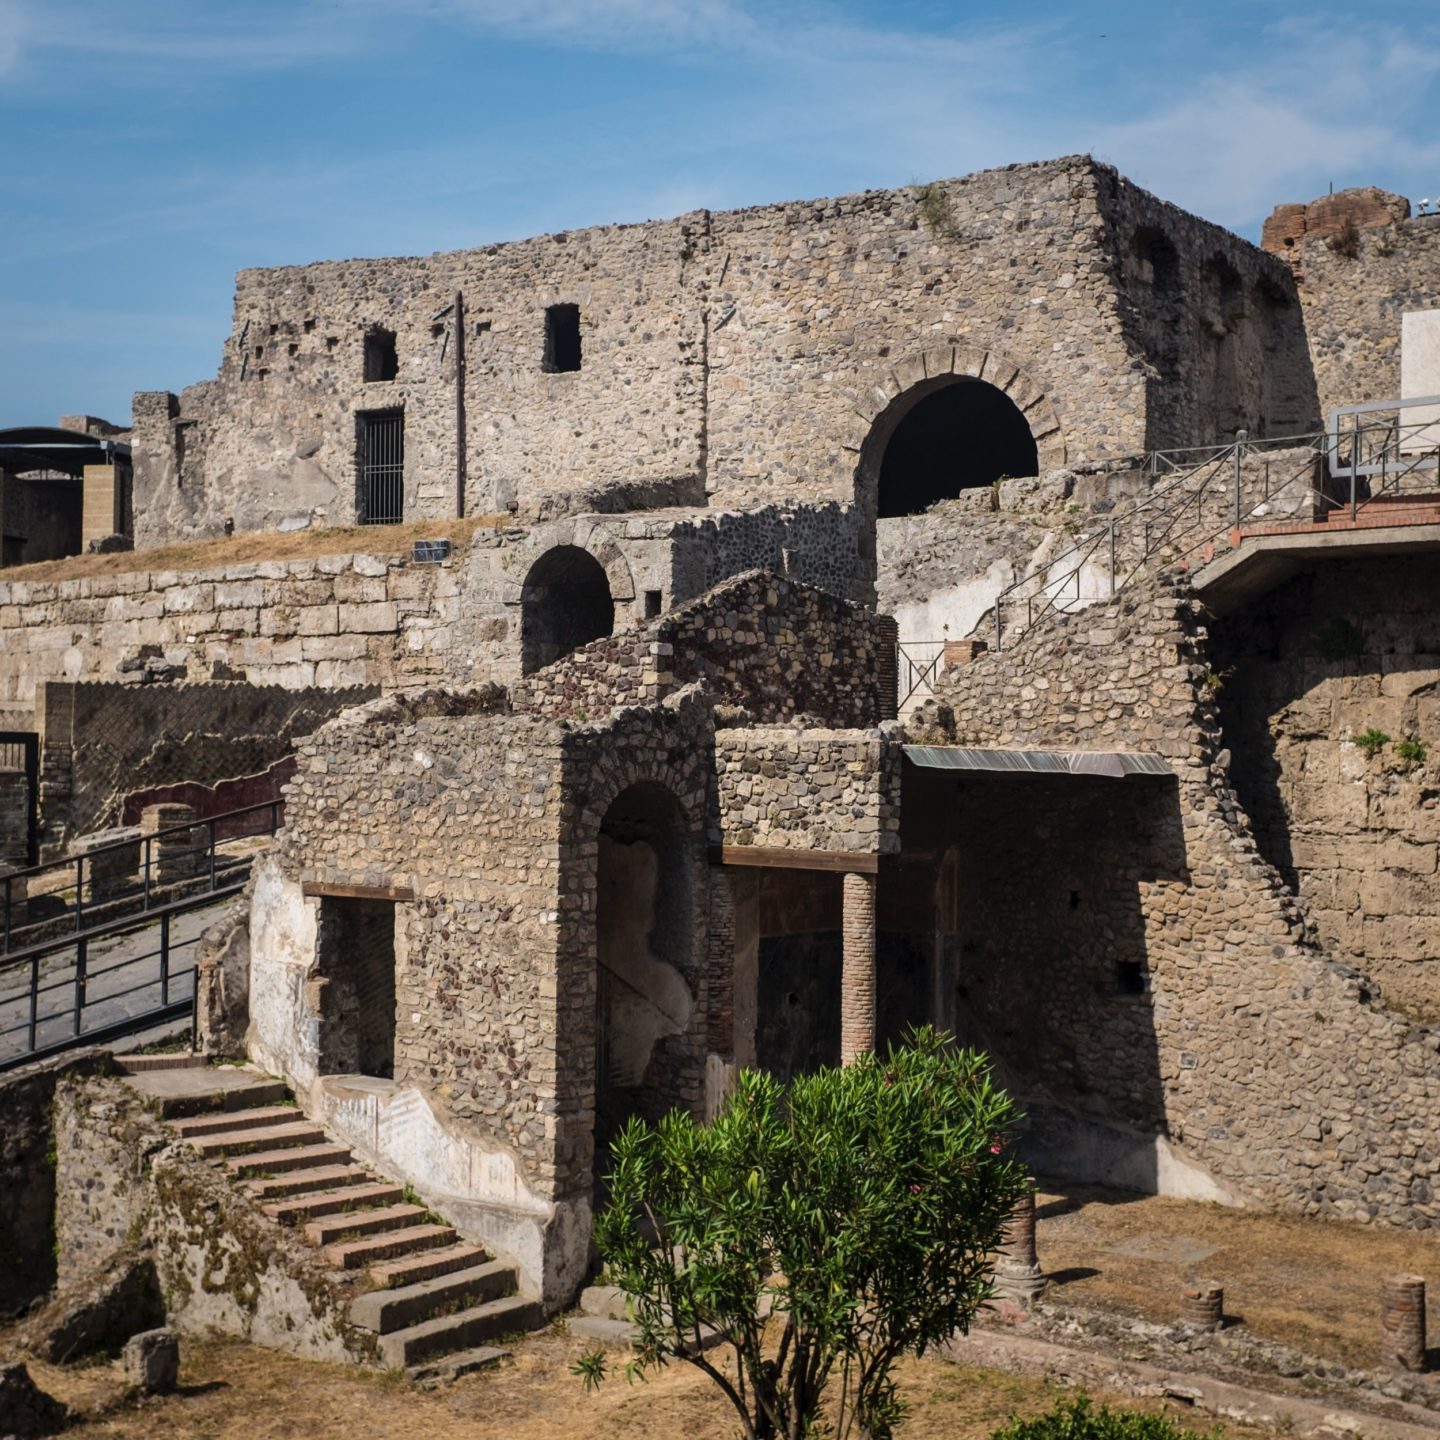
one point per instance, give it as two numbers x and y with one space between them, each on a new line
122 979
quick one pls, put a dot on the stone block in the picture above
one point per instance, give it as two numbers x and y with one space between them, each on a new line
152 1361
368 619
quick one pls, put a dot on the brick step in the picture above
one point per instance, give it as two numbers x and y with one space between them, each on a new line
138 1064
428 1265
357 1224
195 1125
304 1182
386 1311
462 1331
332 1202
352 1254
230 1097
301 1157
238 1142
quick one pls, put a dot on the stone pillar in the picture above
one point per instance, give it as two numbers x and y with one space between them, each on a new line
857 975
1018 1276
175 856
1203 1305
1402 1321
112 863
887 666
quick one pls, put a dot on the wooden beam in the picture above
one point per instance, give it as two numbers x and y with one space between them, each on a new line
777 857
357 892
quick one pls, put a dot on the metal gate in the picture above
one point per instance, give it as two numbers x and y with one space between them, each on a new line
20 754
382 467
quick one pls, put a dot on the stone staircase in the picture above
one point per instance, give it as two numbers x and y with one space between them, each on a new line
435 1303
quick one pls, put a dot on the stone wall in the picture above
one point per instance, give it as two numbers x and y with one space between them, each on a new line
14 817
1329 656
104 742
1362 262
1256 1032
806 789
28 1253
697 337
774 646
377 619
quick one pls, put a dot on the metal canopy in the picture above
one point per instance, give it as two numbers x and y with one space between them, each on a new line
46 447
1114 763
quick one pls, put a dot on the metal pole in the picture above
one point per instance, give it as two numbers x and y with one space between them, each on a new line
997 624
145 904
81 947
1112 561
7 912
1354 460
212 853
79 888
34 996
165 957
1237 484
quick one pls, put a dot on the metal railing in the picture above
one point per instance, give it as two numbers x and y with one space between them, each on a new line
1381 454
919 663
132 975
97 887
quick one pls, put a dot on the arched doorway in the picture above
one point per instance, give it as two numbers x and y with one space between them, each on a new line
943 436
644 928
565 603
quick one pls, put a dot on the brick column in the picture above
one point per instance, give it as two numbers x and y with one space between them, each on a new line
857 975
1402 1321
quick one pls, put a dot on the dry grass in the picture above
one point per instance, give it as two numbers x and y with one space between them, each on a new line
1308 1283
237 1392
252 547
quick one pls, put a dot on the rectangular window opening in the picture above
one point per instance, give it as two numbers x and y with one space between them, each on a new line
652 604
562 339
1130 977
380 443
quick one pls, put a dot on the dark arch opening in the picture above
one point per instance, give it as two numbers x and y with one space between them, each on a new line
644 924
964 434
565 603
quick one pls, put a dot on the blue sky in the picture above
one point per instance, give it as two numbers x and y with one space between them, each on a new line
150 148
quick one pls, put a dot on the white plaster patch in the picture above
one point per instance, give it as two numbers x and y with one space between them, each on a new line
1420 375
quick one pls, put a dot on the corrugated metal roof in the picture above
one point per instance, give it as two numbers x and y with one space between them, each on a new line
1115 763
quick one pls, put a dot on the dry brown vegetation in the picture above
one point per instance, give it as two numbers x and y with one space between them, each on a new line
252 547
236 1392
1308 1283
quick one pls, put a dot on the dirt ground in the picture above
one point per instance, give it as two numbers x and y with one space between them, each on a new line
1308 1283
236 1392
243 549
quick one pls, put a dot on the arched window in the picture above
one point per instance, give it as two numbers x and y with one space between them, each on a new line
565 603
945 436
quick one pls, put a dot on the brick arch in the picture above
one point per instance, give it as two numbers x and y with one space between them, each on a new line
873 397
582 536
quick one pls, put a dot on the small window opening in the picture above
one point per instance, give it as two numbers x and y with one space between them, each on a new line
1074 899
381 361
1130 977
482 327
309 326
652 604
331 341
293 348
562 338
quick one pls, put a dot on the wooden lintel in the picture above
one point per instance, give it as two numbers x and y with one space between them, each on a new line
776 857
357 892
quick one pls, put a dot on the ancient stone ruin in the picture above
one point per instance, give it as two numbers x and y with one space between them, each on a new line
1006 604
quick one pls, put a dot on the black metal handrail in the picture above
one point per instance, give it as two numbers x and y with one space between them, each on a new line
210 869
71 956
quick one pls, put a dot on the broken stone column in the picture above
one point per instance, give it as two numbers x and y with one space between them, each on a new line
152 1361
174 856
17 891
1018 1276
1203 1305
857 972
1402 1321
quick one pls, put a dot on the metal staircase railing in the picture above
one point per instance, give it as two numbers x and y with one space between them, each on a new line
1187 510
80 892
